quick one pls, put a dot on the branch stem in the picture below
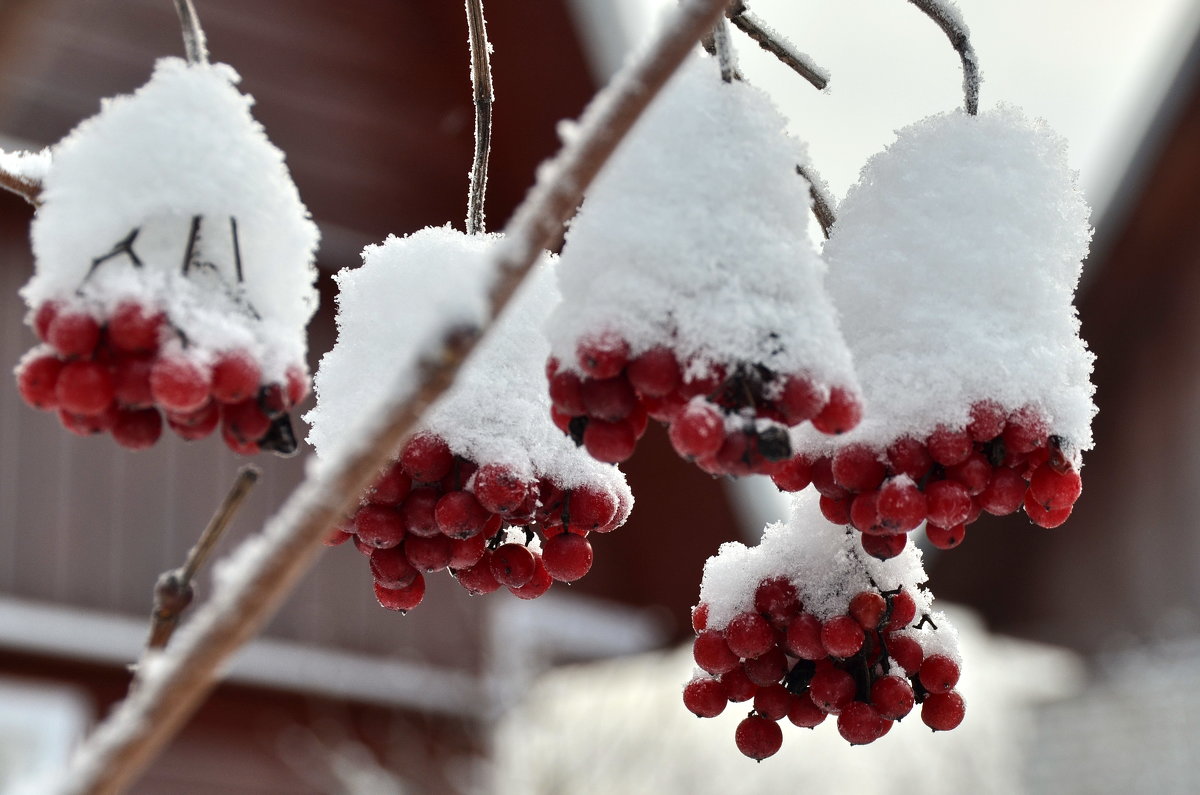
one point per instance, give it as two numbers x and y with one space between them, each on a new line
723 49
269 566
960 39
481 86
823 202
194 45
27 189
772 42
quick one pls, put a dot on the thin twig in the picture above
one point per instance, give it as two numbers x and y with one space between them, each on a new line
775 44
822 200
960 38
270 565
173 591
28 189
481 86
193 35
722 47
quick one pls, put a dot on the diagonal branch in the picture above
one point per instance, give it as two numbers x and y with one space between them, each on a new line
264 569
946 15
28 189
775 44
481 85
822 200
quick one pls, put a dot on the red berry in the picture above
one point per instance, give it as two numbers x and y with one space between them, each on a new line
479 579
987 421
868 608
949 447
609 442
904 610
803 638
513 565
459 515
836 511
235 377
700 617
137 429
712 653
860 723
946 537
538 584
842 636
37 379
391 487
773 701
758 738
392 569
842 413
466 552
804 713
1026 431
179 385
738 687
831 688
948 503
939 673
429 553
132 329
943 711
418 512
244 421
84 387
567 557
655 373
704 698
864 513
337 536
974 473
777 600
131 381
908 456
1055 490
603 355
401 599
884 547
793 474
499 489
426 458
906 652
611 399
901 505
767 668
197 424
856 467
379 526
749 635
565 394
1004 493
698 430
893 696
43 318
800 400
88 424
298 384
1043 518
823 481
74 333
589 508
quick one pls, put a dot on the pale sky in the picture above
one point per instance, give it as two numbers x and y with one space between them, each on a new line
1093 69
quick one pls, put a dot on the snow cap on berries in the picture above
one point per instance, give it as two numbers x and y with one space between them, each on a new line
181 147
693 237
954 262
398 306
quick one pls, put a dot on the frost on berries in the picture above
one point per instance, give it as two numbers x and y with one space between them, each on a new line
954 263
488 488
808 625
173 253
691 294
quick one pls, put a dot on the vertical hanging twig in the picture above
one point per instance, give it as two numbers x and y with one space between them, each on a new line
948 19
722 47
193 35
173 591
481 85
270 565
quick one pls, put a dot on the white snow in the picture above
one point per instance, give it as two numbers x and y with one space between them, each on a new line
693 236
30 166
398 306
954 262
182 146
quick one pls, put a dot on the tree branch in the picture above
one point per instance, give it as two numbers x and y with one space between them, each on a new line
722 48
775 44
947 18
173 591
823 202
481 85
28 189
264 569
193 35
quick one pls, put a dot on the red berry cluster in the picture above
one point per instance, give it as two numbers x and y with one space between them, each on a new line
863 666
118 375
731 421
998 463
434 510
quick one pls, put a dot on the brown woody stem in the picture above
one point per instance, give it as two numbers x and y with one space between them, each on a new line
28 189
775 44
481 85
960 40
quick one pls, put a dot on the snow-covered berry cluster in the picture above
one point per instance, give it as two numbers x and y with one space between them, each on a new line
801 627
174 274
489 489
690 296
